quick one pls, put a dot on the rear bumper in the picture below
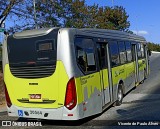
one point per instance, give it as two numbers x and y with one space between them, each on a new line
40 113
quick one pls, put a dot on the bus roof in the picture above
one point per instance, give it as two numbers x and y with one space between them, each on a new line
111 34
33 33
101 33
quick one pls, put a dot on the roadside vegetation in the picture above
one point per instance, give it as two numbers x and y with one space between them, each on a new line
62 13
154 47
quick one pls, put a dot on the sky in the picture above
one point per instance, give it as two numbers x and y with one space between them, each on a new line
144 16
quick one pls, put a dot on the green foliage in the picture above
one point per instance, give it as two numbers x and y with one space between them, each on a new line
83 16
112 18
47 13
74 13
154 47
5 8
68 13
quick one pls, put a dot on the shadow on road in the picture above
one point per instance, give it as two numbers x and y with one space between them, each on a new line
144 109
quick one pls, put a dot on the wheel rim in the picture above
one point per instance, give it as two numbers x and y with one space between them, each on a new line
120 95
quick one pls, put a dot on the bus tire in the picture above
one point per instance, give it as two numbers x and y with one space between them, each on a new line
145 74
119 96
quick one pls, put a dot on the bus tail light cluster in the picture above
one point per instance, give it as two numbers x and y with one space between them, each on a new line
71 96
9 103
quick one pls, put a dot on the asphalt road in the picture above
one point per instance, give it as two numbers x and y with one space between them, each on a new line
140 105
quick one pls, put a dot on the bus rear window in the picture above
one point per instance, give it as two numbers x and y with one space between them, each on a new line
40 49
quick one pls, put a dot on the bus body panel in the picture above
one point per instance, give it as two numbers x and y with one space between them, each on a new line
50 88
106 88
129 82
4 53
91 94
56 110
123 74
142 67
117 73
46 113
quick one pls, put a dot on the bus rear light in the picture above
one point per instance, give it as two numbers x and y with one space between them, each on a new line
84 109
70 114
71 96
9 103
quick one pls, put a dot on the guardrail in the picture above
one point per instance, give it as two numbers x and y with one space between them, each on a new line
155 52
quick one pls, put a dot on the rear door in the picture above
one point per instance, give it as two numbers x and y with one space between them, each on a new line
102 49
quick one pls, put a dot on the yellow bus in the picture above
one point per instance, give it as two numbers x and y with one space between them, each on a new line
69 73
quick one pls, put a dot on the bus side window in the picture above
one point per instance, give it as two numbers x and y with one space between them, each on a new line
102 55
122 52
128 51
85 54
139 50
81 60
114 53
142 50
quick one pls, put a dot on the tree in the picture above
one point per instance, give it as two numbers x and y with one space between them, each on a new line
153 47
5 9
83 16
64 13
47 12
113 18
17 11
74 13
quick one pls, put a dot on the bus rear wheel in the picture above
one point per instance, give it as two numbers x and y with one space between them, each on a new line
145 74
119 96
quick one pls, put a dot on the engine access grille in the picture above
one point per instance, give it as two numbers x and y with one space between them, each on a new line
31 72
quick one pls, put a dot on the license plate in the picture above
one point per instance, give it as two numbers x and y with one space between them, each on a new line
32 112
35 96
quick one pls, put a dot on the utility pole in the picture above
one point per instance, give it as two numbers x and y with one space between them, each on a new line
113 3
35 18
